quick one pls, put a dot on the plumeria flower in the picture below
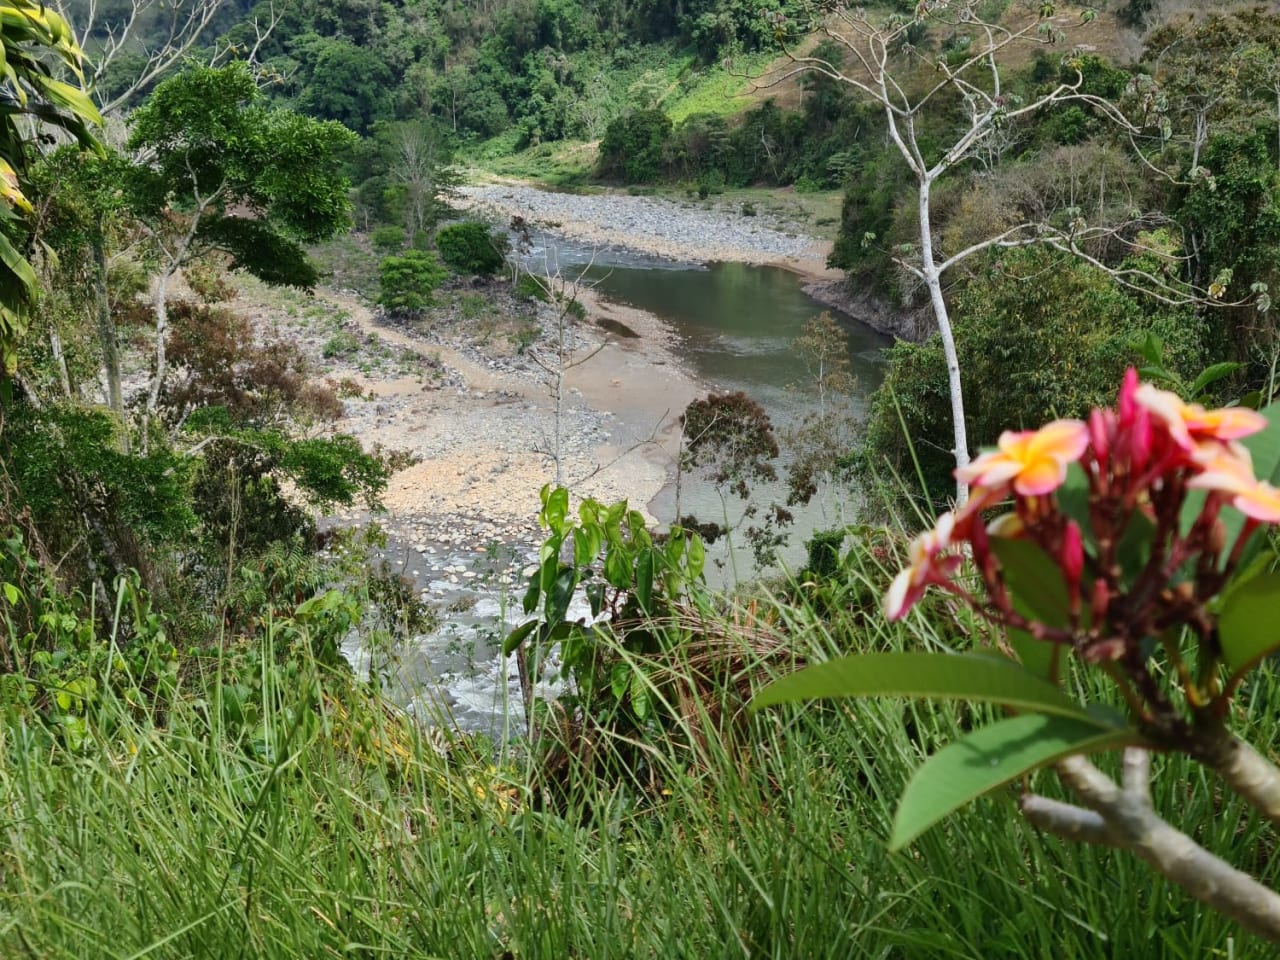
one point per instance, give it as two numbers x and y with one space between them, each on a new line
1033 461
1228 469
1190 423
927 566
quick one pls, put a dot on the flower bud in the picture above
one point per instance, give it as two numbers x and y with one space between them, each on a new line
1139 441
1072 555
1100 436
1126 406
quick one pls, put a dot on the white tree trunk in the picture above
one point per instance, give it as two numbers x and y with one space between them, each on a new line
162 333
933 280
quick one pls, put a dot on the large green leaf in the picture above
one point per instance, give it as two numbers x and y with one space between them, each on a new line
941 675
990 757
1034 579
1248 627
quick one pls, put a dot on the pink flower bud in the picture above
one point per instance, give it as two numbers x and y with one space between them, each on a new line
1100 424
1126 406
1139 434
1072 557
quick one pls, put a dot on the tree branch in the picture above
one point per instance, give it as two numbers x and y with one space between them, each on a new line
1124 819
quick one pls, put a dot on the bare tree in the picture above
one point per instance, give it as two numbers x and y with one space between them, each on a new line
565 353
179 25
909 83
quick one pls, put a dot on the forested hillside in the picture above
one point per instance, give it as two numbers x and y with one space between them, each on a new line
334 620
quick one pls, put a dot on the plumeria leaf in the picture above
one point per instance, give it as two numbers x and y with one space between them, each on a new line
967 677
990 757
1034 579
1247 626
1073 498
1036 656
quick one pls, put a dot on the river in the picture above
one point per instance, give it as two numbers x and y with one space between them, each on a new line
736 325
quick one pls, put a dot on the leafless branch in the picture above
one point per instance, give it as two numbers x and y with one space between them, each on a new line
1123 817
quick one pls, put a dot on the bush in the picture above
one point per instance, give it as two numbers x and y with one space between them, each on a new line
388 239
408 281
1058 332
472 248
633 147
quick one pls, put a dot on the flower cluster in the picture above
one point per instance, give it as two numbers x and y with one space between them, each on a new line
1133 468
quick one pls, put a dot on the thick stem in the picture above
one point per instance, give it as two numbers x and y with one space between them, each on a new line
1124 819
1255 778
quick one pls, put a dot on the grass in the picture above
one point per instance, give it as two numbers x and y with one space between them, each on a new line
333 830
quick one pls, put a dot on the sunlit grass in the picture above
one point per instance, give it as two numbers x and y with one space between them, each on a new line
343 833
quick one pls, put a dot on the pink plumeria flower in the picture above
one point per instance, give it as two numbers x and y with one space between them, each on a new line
1227 468
1189 423
927 565
1033 461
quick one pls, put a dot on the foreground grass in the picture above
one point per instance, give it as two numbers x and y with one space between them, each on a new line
331 830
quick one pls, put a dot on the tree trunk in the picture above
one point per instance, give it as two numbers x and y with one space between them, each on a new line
162 333
106 328
933 280
60 360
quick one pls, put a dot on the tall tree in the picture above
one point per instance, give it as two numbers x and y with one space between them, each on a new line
228 173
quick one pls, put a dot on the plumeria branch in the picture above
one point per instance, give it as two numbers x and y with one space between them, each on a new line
1123 817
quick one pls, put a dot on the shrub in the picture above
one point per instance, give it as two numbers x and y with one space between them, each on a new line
388 239
472 248
408 281
633 147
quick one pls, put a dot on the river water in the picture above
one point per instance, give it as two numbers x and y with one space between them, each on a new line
737 326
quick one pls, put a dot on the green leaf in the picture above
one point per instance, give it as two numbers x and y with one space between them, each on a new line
640 694
557 509
935 675
697 556
582 552
1248 627
517 637
531 595
990 757
617 568
1036 656
561 594
1034 579
1211 375
644 580
1073 498
11 594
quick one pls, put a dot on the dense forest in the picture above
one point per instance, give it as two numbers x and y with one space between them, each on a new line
1061 201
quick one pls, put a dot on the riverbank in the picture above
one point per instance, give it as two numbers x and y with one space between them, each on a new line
693 231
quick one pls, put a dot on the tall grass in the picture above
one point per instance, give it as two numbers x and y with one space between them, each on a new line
334 830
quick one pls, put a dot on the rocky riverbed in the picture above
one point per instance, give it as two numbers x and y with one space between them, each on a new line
693 231
463 392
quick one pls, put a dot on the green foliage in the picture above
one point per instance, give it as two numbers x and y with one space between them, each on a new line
35 44
1057 332
407 281
472 248
633 586
69 469
632 148
263 180
388 238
